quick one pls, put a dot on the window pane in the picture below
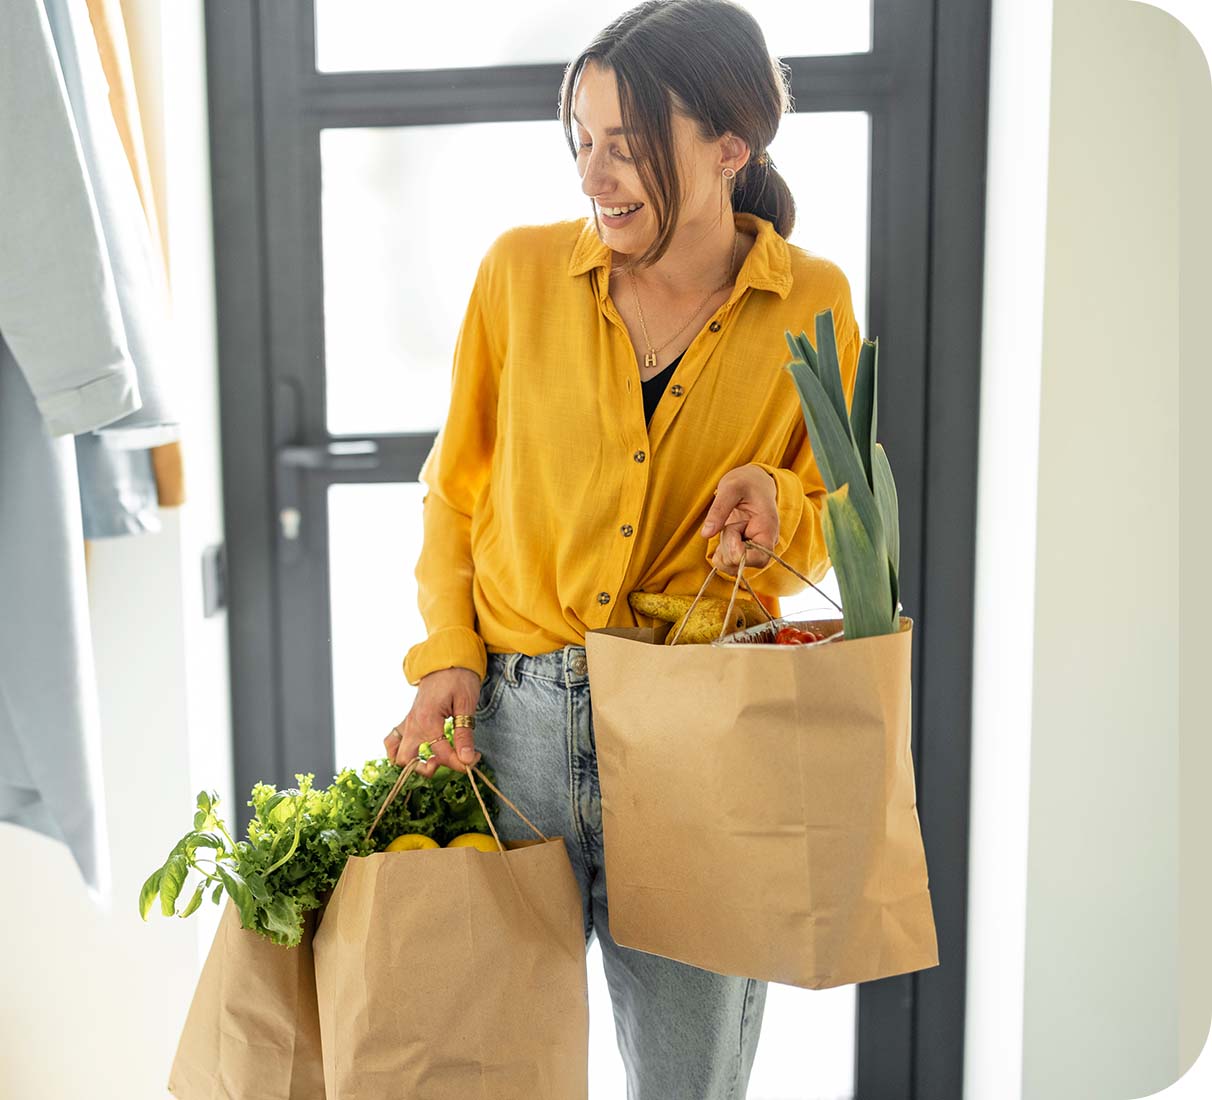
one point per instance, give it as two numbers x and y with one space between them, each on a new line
811 604
807 1044
374 534
359 35
409 212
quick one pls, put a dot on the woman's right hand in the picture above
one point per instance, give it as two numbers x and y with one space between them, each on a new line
440 695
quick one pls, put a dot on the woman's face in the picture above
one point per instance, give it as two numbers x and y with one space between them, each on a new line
608 173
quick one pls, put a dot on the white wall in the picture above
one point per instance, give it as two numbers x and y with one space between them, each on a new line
1100 1012
1194 86
179 149
94 1002
1004 635
1077 941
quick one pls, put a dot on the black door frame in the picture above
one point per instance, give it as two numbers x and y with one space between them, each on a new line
925 85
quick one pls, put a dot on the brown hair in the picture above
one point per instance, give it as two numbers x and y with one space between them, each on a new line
708 60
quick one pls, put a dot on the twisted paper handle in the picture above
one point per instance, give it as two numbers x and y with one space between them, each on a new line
740 574
792 569
472 772
412 766
405 772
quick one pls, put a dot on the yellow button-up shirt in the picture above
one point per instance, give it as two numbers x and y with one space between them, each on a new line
548 498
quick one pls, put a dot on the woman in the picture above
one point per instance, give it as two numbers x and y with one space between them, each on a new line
612 375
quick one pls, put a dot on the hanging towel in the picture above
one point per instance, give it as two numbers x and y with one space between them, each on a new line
117 481
64 368
109 28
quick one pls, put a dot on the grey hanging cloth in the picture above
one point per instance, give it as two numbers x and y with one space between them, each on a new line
64 368
118 493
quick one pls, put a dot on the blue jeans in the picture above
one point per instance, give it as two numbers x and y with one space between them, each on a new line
684 1033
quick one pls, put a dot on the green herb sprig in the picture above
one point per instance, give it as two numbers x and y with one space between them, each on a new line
300 839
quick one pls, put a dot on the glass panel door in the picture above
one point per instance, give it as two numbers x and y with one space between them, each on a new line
360 35
407 213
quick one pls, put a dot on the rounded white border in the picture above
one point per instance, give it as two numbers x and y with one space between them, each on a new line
1196 16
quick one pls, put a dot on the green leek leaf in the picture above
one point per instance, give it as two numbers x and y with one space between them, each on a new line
834 450
886 501
829 370
807 352
861 570
794 345
862 410
816 417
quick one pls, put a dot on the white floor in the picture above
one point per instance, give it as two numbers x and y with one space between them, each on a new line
806 1050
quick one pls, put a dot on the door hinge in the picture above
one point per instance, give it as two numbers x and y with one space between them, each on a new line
214 579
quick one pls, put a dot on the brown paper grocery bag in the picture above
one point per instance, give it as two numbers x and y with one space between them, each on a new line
758 805
253 1028
455 974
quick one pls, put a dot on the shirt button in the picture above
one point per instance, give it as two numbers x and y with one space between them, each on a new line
627 530
714 326
677 391
603 597
639 456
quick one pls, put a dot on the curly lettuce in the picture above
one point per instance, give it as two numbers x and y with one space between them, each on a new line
299 840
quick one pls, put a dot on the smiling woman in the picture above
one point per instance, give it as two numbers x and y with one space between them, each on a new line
559 484
662 136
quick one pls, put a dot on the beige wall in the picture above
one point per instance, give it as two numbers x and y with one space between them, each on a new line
1194 94
1090 963
1103 982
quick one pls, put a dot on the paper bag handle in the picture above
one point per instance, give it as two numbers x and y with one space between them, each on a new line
740 579
405 772
472 772
412 765
517 889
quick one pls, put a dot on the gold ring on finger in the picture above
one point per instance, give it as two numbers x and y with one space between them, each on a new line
464 721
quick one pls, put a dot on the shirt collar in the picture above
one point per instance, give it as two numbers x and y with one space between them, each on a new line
767 267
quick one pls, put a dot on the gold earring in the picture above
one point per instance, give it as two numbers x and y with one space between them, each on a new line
728 173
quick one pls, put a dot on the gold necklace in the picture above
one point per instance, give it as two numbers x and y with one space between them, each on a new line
650 358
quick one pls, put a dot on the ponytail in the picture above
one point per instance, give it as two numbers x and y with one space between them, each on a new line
760 189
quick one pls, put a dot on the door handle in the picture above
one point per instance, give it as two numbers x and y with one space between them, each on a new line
340 454
337 456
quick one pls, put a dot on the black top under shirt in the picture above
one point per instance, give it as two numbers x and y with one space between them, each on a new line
654 387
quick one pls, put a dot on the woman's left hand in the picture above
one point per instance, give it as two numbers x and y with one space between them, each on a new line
745 507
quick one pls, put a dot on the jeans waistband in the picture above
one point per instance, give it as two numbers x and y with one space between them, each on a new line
560 666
